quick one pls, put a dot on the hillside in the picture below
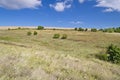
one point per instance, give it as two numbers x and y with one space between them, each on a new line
41 57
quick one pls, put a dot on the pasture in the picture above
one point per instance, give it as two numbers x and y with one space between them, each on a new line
40 57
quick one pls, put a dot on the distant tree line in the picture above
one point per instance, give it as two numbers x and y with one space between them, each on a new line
80 29
85 29
110 30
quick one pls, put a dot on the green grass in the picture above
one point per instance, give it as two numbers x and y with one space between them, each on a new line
41 57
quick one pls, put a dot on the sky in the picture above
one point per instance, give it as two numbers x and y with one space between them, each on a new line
60 13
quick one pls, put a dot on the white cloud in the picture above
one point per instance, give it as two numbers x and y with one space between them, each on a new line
20 4
76 22
110 5
61 6
81 1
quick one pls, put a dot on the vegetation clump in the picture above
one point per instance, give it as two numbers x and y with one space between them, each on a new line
111 30
35 33
75 29
56 36
19 28
80 29
93 30
64 36
29 33
86 29
112 54
9 29
40 28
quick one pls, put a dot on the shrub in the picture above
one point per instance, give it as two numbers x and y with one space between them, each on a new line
110 30
75 29
64 36
56 36
19 27
9 29
93 30
101 30
114 54
35 33
54 29
117 30
80 29
40 28
86 29
29 33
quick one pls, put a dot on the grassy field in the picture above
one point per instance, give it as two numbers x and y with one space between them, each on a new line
41 57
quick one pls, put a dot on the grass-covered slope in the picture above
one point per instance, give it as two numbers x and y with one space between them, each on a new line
41 57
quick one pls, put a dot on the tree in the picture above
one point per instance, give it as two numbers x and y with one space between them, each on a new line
93 30
75 29
110 30
86 29
40 28
117 30
80 29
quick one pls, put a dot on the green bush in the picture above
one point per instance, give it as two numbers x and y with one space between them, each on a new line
80 29
64 36
86 29
93 30
35 33
56 36
110 30
117 29
40 28
19 27
75 29
29 33
9 29
114 54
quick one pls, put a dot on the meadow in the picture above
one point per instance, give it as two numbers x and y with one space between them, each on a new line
40 57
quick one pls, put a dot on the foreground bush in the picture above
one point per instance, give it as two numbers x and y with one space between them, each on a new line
114 54
29 33
35 33
56 36
64 36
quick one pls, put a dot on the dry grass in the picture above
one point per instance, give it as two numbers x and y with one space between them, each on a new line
41 57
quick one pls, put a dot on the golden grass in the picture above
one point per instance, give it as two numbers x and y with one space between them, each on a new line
41 57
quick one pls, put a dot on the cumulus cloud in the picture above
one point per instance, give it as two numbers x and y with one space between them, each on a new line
110 5
61 5
20 4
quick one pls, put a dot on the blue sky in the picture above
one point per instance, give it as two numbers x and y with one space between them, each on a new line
60 13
